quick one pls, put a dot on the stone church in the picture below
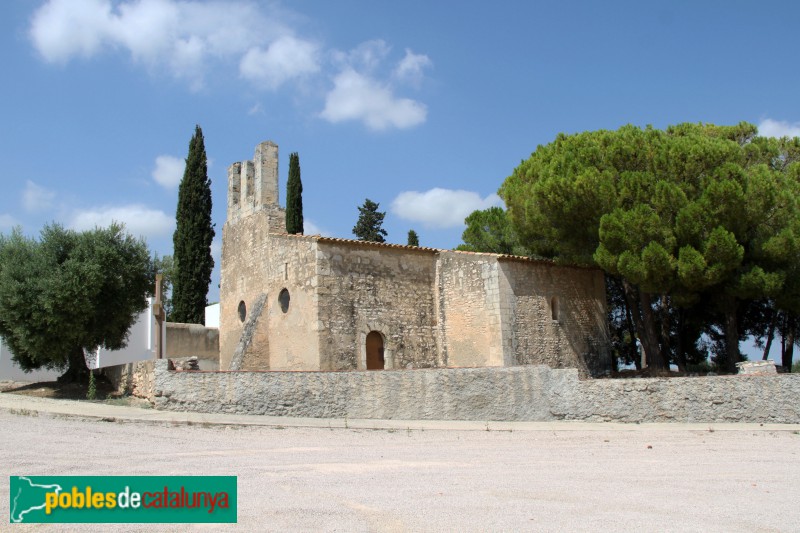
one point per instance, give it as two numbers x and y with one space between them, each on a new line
307 302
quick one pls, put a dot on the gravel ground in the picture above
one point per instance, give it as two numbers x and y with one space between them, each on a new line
307 479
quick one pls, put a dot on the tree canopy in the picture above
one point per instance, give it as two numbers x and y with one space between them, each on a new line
69 292
490 230
413 238
194 232
294 196
370 222
694 213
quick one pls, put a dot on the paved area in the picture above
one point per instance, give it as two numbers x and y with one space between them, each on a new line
346 475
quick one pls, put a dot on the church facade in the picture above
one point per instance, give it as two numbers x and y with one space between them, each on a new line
313 303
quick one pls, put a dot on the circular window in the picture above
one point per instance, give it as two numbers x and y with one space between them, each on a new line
242 311
283 299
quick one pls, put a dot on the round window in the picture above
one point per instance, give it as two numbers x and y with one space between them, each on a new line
242 311
283 299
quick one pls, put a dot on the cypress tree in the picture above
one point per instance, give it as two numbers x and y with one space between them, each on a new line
370 222
413 238
194 232
294 196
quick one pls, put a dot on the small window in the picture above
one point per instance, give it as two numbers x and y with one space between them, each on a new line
554 308
242 311
283 299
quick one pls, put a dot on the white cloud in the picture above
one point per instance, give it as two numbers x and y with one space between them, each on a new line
410 68
216 250
778 128
168 171
366 56
441 208
7 221
36 197
359 97
180 36
285 59
309 228
138 219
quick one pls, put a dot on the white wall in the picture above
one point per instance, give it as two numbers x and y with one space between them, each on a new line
141 342
10 371
212 316
141 346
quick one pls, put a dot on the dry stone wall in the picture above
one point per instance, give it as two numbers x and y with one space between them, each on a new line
505 393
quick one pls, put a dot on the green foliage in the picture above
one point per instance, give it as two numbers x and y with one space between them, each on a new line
490 231
413 238
370 222
192 238
294 197
695 213
91 391
69 292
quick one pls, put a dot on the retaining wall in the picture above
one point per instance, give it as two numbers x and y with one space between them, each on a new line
136 379
187 340
536 393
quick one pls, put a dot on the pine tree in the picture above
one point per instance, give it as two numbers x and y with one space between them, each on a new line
294 197
413 238
192 238
370 220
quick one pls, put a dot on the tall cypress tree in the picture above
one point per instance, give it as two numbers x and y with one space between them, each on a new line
192 239
294 196
413 238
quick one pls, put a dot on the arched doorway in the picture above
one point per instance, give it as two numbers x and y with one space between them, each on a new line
375 359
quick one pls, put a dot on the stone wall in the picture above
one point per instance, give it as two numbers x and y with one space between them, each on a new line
135 379
503 393
289 322
365 288
429 308
469 292
194 340
558 316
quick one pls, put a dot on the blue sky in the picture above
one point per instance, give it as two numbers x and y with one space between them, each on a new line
425 107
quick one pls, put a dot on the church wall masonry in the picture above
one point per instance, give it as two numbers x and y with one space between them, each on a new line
429 308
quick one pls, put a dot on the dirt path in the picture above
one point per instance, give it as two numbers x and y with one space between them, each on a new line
301 479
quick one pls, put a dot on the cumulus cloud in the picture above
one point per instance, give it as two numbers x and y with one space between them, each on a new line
7 221
285 59
168 171
364 88
410 68
37 198
358 97
441 208
187 39
179 36
778 128
139 220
